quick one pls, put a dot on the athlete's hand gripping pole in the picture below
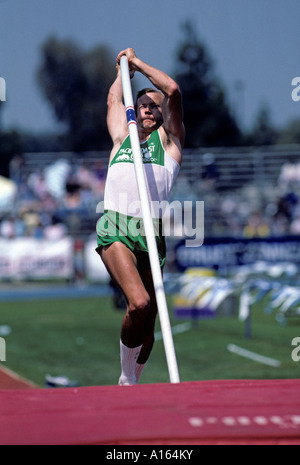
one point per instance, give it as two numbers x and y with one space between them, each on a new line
148 224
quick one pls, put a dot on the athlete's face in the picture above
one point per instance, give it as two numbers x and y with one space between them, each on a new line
149 111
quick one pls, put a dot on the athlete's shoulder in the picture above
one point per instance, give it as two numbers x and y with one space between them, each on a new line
171 144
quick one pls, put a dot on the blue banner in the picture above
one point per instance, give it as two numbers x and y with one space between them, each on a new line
221 253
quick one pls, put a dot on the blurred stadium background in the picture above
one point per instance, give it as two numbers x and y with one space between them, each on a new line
57 299
58 309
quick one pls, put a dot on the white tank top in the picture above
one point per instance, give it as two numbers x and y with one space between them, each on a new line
121 190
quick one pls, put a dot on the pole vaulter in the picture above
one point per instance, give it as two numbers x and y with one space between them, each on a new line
149 228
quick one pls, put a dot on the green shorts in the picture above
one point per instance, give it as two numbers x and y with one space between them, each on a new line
116 227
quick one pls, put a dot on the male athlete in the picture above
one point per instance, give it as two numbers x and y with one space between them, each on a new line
121 241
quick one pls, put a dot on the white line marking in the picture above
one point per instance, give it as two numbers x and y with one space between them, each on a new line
182 328
286 421
253 356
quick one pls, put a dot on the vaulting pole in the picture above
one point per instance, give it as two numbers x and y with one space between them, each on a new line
148 224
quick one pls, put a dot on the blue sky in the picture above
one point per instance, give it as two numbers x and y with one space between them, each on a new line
253 41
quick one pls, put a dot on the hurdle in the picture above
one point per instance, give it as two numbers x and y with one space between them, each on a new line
148 224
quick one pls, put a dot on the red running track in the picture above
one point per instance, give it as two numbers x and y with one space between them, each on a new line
10 380
206 412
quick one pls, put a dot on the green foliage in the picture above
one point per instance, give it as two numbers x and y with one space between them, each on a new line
291 133
10 143
76 84
207 117
263 132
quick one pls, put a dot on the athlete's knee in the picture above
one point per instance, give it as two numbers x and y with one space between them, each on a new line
139 306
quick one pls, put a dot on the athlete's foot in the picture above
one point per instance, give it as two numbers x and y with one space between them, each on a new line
126 382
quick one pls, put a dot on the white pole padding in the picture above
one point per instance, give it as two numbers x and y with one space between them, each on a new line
148 224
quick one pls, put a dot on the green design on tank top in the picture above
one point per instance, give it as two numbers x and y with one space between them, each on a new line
152 151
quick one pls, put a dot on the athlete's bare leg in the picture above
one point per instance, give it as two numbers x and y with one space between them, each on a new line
137 331
122 266
149 324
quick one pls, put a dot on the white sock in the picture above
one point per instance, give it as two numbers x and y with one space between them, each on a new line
128 361
139 370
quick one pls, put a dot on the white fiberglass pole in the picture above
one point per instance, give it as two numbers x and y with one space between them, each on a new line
148 224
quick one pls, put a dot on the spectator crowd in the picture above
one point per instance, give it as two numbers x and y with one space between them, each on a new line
53 201
61 198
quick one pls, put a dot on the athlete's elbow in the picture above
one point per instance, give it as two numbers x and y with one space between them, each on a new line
110 100
113 99
174 95
174 90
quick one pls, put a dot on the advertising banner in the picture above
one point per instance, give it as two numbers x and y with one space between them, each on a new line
28 258
221 253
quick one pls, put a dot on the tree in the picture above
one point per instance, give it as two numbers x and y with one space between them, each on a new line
263 132
290 134
76 84
207 117
10 144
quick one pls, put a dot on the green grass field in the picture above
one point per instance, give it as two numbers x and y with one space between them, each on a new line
80 339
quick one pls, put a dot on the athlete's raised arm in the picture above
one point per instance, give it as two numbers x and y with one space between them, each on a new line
116 116
172 103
